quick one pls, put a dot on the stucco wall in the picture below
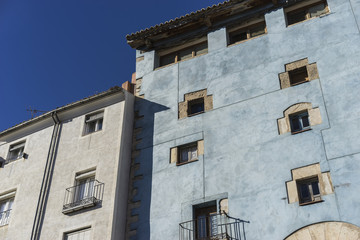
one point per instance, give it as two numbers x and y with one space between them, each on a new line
245 156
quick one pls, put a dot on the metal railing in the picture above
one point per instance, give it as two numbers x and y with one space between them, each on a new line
83 195
4 217
213 227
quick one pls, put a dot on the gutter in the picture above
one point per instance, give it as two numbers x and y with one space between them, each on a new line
47 177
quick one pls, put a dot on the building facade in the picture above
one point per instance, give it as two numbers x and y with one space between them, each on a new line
64 174
247 116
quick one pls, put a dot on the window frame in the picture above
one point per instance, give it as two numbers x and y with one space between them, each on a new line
176 51
299 116
188 147
66 235
301 7
297 71
308 183
20 147
246 28
8 203
99 122
193 102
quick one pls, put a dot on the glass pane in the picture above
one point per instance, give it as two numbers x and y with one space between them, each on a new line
196 107
193 151
257 31
185 54
237 37
201 227
294 17
99 124
184 155
304 191
315 188
91 127
298 76
295 126
305 121
317 10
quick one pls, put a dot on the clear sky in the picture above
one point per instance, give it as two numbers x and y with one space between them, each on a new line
54 52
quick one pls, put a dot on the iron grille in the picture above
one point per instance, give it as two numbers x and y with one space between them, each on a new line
214 227
4 217
83 196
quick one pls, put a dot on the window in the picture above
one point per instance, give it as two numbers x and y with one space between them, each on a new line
298 76
93 122
299 122
299 12
16 151
87 192
5 211
239 35
83 234
205 216
308 190
196 106
188 153
183 54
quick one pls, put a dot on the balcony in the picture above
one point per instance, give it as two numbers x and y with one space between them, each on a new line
83 196
214 227
4 217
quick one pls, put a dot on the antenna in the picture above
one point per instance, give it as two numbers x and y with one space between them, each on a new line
34 112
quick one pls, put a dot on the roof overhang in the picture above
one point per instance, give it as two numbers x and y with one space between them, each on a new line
197 24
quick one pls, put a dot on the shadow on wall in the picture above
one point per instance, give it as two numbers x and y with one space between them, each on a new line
141 169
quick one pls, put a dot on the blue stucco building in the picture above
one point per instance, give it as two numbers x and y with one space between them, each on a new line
248 109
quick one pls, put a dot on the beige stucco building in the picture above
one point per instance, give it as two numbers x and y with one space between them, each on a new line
64 174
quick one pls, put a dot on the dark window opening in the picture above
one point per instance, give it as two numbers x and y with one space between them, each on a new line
299 122
188 153
205 215
309 190
247 32
307 12
184 54
196 106
298 76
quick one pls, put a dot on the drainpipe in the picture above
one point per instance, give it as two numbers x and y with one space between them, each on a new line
46 181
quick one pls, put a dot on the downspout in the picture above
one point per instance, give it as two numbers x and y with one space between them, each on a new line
46 181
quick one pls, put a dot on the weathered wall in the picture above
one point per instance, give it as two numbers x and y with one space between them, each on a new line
245 158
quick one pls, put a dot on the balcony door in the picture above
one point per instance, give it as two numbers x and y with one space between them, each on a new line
205 221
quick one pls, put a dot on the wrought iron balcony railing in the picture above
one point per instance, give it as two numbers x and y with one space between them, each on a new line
214 227
83 195
4 217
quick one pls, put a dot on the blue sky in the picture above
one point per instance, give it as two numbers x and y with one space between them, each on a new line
54 52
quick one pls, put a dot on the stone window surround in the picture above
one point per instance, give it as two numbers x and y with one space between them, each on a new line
183 106
311 71
307 172
314 116
174 152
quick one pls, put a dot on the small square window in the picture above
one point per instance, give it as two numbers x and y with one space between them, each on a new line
5 211
93 122
196 106
16 151
299 122
308 190
298 76
188 153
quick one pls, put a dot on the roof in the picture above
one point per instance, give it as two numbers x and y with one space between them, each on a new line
112 90
202 17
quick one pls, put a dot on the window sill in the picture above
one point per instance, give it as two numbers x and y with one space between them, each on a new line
194 114
87 134
180 164
246 40
309 203
157 68
292 85
304 130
